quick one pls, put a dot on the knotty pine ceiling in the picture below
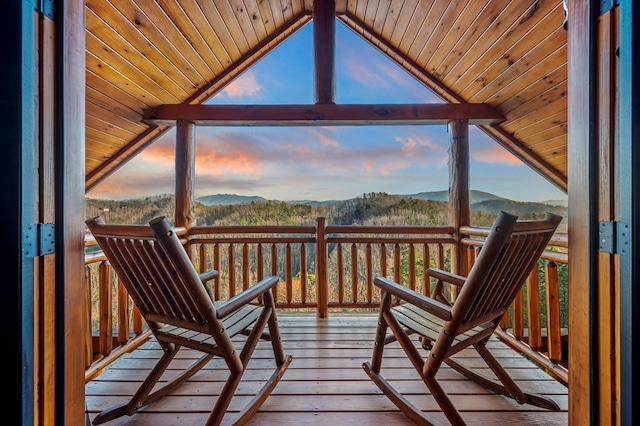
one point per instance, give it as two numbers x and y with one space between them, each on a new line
512 55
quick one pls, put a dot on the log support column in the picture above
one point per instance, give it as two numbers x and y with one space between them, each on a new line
185 174
459 208
324 47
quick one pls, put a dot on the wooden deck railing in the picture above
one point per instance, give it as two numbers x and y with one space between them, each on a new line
326 268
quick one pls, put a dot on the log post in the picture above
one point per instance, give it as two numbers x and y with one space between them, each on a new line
459 209
324 47
185 175
322 283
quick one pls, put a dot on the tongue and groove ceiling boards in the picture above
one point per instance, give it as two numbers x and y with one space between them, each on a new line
511 55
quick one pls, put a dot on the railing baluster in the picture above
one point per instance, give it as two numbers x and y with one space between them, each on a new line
231 253
216 266
274 269
202 256
553 312
533 309
383 260
123 314
88 355
354 273
396 263
245 267
288 272
426 259
340 274
138 322
440 258
369 266
106 322
517 313
260 262
412 267
303 273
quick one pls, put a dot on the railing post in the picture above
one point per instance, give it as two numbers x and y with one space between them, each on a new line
322 284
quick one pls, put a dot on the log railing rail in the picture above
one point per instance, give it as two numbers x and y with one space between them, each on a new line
323 268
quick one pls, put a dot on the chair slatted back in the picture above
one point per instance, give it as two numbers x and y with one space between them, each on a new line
157 273
507 257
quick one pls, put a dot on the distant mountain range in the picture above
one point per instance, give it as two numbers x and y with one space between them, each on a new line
479 200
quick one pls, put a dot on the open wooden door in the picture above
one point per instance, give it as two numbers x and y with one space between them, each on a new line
42 173
17 120
604 204
629 210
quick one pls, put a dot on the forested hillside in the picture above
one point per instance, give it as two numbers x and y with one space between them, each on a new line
369 209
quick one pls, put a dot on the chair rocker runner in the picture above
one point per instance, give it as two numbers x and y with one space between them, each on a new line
171 296
510 252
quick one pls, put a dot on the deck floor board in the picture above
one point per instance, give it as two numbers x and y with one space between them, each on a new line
325 383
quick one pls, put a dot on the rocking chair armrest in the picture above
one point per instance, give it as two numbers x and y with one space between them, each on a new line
421 301
236 302
208 276
439 274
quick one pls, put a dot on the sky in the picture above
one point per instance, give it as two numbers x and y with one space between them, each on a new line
325 163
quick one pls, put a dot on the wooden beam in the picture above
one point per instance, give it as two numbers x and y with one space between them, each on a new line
323 114
459 207
324 49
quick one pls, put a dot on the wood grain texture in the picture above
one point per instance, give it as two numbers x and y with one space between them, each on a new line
323 114
581 106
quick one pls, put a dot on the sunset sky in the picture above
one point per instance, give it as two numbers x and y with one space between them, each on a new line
325 163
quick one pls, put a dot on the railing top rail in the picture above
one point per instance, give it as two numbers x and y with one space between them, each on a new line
377 230
558 239
393 240
252 229
250 240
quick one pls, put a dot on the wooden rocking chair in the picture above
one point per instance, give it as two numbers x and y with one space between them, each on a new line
510 252
156 271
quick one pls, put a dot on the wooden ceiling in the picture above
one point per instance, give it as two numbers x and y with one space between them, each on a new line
511 55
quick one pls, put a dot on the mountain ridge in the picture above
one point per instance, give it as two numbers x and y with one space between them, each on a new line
475 197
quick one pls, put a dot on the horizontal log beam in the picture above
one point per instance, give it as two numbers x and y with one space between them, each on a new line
323 114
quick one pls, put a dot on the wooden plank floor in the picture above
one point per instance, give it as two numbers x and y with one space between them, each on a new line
325 383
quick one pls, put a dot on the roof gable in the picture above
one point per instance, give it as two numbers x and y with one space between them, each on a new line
510 55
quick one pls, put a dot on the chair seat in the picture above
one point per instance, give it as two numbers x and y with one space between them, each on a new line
238 321
429 325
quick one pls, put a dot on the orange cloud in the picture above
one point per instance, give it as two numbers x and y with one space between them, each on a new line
160 153
245 85
221 155
495 154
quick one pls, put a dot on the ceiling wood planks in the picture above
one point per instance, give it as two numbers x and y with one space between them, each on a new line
508 55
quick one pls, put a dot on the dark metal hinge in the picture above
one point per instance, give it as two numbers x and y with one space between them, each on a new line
38 239
614 237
